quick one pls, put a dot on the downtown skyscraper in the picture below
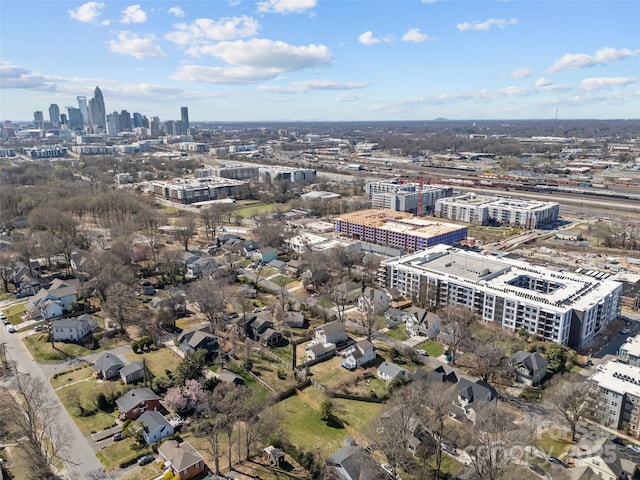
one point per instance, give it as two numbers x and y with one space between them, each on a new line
184 116
54 115
97 111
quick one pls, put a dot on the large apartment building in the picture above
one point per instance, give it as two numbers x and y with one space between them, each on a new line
629 352
398 229
189 191
404 197
616 396
285 174
482 210
562 307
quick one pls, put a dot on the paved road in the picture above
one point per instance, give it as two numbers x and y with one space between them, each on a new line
83 463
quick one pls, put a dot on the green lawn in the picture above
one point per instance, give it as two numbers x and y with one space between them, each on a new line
304 428
42 351
449 465
354 413
119 452
399 333
253 210
554 443
148 472
158 360
434 349
261 392
14 313
62 379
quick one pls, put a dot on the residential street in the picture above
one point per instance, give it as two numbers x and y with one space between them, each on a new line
82 464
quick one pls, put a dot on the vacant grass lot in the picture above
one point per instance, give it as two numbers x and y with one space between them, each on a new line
148 472
260 392
253 210
434 349
158 360
358 415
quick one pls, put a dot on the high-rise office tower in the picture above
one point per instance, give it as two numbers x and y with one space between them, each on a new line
184 116
84 110
145 121
125 121
113 124
74 118
154 126
54 115
137 120
63 119
97 110
38 119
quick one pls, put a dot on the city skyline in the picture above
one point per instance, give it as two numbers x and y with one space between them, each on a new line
306 60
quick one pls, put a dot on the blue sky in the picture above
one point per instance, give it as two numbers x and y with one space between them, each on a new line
328 60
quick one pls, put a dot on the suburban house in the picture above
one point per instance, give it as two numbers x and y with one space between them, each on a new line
438 375
394 316
249 247
529 367
108 366
271 337
415 430
359 354
146 288
474 395
294 319
332 332
423 323
182 459
602 456
259 326
53 301
80 261
315 351
73 329
247 291
373 300
132 373
198 339
265 255
154 426
390 371
196 265
278 265
354 463
137 401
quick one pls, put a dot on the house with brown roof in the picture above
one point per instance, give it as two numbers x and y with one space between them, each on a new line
182 459
137 401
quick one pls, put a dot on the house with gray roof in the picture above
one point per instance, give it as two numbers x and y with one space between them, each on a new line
332 332
358 355
155 427
602 456
108 366
474 395
390 371
182 459
528 367
53 301
354 463
314 351
132 373
136 401
198 339
73 329
294 319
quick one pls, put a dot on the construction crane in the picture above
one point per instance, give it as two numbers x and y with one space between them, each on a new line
419 209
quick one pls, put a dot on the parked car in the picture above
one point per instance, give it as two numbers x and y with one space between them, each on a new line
11 328
143 460
388 470
557 461
624 331
449 449
634 448
117 437
618 441
422 352
39 328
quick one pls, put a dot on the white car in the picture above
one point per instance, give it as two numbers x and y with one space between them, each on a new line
634 448
11 328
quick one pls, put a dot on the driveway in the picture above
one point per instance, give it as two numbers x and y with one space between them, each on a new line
83 463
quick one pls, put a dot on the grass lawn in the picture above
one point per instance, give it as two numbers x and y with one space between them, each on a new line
270 371
261 392
158 360
119 452
42 351
148 472
86 392
5 296
554 443
14 313
354 413
253 210
304 428
66 378
399 333
449 465
330 372
285 352
434 349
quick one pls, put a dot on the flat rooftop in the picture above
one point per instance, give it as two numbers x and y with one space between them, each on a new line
400 222
473 199
618 377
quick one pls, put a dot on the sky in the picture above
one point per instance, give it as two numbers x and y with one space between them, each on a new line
324 60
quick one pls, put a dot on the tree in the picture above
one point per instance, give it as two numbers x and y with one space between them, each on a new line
185 230
191 367
370 265
120 304
210 296
338 295
557 356
488 359
6 265
570 395
456 321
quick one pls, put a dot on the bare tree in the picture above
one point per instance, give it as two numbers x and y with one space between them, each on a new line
569 395
456 320
186 229
370 265
338 295
120 304
210 296
368 321
6 265
282 281
488 359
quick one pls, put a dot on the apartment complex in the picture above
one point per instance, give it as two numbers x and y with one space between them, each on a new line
482 210
285 174
398 229
616 396
188 191
629 352
562 307
403 197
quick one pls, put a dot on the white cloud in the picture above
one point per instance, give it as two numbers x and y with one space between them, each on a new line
367 38
87 12
306 85
520 73
603 56
139 47
205 30
349 97
267 54
414 35
542 82
133 14
487 24
278 89
285 6
589 84
16 76
223 75
177 11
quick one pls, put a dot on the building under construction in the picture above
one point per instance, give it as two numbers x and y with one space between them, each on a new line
398 229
